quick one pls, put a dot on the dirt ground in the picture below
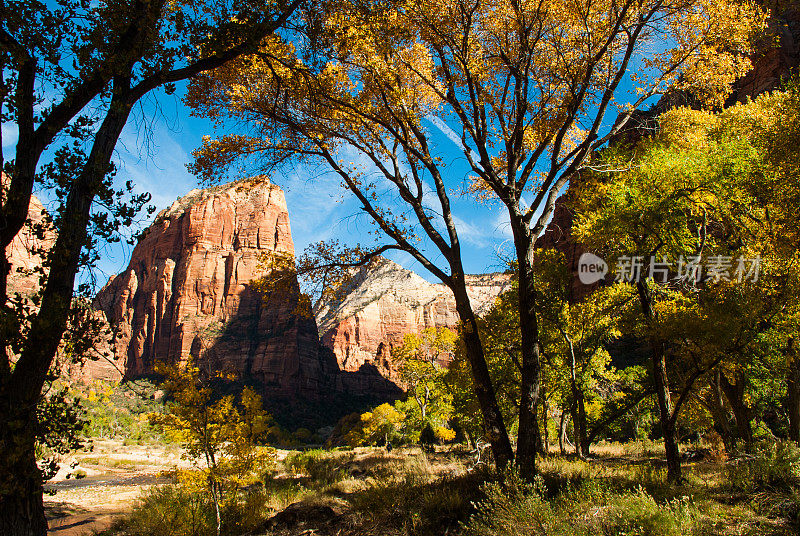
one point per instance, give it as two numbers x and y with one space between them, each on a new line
112 477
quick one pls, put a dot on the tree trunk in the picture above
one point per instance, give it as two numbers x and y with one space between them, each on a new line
742 413
529 436
539 434
582 436
562 432
578 406
215 498
21 508
23 391
716 406
661 385
545 428
665 415
482 382
573 410
793 392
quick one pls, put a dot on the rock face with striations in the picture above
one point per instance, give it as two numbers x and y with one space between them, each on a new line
187 292
383 303
25 252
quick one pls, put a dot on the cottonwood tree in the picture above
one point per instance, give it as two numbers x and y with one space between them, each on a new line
528 87
421 360
575 361
221 436
72 71
575 338
702 209
321 111
531 86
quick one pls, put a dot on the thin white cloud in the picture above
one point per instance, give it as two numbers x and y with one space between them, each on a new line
472 233
157 165
10 135
319 207
502 224
450 133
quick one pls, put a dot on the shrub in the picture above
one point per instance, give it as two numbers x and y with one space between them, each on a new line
414 501
587 510
244 515
320 466
638 514
169 511
771 466
427 438
178 511
511 509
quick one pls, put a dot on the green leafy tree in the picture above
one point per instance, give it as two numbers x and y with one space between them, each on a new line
220 436
574 340
62 419
421 362
704 187
378 426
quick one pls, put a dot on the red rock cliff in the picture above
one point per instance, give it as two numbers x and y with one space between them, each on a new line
25 253
187 292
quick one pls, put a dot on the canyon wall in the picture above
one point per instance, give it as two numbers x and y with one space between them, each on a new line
383 302
187 292
26 254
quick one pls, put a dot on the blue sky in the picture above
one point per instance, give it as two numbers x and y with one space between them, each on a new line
156 145
319 207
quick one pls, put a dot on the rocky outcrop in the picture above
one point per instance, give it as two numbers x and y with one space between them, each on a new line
383 302
188 291
26 251
779 53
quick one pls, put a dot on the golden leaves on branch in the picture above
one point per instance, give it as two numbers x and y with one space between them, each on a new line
520 78
221 436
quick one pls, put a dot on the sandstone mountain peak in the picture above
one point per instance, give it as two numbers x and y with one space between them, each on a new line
382 278
187 293
187 289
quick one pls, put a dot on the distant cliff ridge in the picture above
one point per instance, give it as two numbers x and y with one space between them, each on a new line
384 302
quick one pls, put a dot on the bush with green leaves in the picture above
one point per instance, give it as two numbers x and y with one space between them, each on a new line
61 421
427 438
770 466
119 411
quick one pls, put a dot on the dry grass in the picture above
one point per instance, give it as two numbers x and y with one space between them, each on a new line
406 492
